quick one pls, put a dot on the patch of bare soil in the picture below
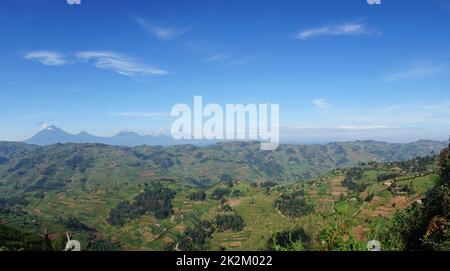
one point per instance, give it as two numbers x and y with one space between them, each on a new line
234 244
148 173
383 211
377 200
399 202
234 202
359 232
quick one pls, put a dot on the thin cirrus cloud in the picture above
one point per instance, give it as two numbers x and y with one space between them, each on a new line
106 60
47 58
226 60
417 71
346 29
140 114
321 103
216 58
120 64
367 127
162 32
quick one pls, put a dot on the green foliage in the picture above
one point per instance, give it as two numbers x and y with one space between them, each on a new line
355 186
268 184
13 240
425 227
386 176
417 164
355 173
156 199
193 238
444 164
226 208
13 201
103 245
72 223
353 180
219 193
338 237
237 194
289 240
225 178
293 205
199 195
369 197
228 222
59 243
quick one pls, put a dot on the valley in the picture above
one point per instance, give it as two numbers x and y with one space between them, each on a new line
153 198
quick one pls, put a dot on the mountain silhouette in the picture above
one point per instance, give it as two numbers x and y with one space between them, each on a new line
53 135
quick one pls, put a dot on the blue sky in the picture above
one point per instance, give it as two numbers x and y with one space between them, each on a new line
340 70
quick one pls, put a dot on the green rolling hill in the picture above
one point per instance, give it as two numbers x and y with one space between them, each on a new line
227 196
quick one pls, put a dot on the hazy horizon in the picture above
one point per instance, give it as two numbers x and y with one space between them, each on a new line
166 134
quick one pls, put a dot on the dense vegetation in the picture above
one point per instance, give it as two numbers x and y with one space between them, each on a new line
156 199
199 195
12 239
229 222
220 192
293 205
353 179
288 240
193 239
425 226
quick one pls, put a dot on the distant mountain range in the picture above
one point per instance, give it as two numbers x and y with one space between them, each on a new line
53 135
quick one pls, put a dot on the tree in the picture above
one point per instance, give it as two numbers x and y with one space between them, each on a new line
289 240
425 227
199 195
219 193
12 240
193 238
293 205
156 199
338 237
232 222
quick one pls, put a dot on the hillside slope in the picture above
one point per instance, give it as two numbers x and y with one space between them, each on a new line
31 168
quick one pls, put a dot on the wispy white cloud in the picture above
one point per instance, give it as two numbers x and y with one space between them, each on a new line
374 2
217 57
346 29
321 103
48 58
120 64
344 127
43 125
396 122
73 2
415 72
140 114
162 32
353 127
229 60
241 61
